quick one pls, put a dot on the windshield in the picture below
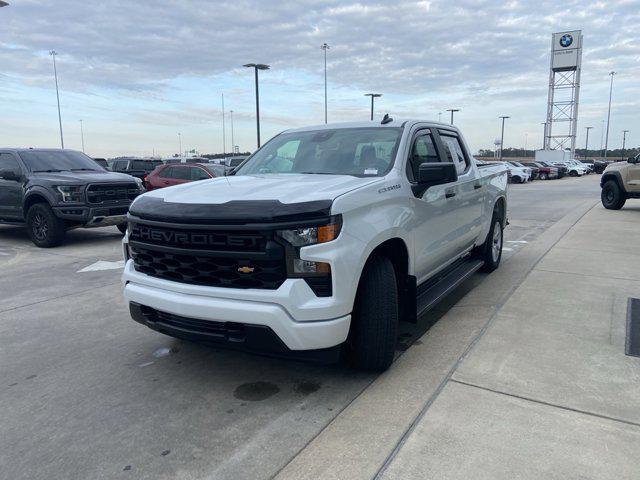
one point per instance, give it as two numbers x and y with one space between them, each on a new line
58 160
343 151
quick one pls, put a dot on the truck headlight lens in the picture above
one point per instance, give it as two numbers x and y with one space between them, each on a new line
70 193
300 237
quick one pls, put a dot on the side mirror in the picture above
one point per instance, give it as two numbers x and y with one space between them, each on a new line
9 175
436 173
632 160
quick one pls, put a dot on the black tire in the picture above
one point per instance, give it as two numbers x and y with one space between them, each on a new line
573 173
543 176
516 179
613 198
486 252
374 328
44 228
122 227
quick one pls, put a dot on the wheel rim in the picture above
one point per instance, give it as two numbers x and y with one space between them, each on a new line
496 242
40 227
608 195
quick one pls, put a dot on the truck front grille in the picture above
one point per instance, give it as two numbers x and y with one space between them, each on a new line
116 193
209 257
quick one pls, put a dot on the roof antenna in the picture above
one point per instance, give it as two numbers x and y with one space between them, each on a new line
386 119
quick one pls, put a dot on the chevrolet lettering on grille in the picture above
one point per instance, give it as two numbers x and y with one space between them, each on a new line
194 238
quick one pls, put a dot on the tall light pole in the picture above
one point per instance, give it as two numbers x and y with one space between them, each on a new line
602 138
233 145
586 142
544 134
452 110
606 141
82 135
325 47
504 117
624 140
179 144
372 95
224 134
53 53
256 67
526 138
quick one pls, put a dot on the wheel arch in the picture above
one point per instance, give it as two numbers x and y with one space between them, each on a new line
616 177
500 207
32 198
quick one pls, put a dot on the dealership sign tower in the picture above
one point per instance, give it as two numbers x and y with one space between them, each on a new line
564 91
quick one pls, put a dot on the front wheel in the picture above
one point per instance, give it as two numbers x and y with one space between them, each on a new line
543 176
374 327
612 197
44 228
122 227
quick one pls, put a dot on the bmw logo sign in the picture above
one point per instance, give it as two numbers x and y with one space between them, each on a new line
566 40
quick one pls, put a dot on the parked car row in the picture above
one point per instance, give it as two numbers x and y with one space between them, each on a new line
525 171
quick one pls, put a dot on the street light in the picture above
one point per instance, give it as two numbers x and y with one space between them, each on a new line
233 145
504 117
256 67
53 53
624 139
179 144
452 110
544 135
606 142
586 142
325 46
439 117
224 133
372 95
82 135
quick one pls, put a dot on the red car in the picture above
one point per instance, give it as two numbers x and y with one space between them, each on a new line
177 173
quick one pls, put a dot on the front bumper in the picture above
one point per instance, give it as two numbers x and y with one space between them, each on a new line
93 216
249 307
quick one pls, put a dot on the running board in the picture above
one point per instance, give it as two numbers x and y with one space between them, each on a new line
446 284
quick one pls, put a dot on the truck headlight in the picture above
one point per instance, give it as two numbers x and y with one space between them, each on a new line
301 237
70 193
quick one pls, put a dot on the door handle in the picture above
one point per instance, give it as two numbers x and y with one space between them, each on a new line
449 194
166 182
477 186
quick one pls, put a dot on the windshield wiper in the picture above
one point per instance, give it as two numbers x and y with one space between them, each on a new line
48 171
321 173
84 169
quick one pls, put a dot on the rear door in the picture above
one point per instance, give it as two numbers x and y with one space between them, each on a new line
469 191
11 184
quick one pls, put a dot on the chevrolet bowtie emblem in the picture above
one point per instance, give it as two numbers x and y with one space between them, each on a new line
245 269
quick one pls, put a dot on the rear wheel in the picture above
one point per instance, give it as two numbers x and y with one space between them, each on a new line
516 179
491 250
612 196
44 228
374 329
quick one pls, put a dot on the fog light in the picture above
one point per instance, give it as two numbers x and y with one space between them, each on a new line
309 267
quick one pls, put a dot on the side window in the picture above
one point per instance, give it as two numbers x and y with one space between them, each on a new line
181 173
166 172
423 150
454 152
8 163
198 173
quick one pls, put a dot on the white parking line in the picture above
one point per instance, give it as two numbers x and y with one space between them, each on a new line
102 265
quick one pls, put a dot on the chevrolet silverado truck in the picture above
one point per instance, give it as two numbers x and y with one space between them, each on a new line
319 243
51 191
620 181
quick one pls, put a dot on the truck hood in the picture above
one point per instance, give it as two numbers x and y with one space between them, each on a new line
249 199
286 188
75 178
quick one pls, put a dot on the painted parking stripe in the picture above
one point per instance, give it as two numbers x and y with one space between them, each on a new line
102 265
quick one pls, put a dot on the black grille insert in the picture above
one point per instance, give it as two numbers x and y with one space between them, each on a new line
102 193
203 269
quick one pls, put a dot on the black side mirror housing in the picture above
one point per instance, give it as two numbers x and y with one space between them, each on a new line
436 173
8 175
632 160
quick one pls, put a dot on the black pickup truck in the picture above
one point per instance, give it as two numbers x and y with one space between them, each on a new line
51 191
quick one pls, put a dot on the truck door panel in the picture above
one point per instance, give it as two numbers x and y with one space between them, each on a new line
10 189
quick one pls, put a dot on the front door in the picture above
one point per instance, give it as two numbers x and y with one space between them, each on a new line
633 176
436 220
11 180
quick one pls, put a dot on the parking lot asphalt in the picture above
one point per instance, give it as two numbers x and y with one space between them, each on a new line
88 393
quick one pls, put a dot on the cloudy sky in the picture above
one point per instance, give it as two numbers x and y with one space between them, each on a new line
139 72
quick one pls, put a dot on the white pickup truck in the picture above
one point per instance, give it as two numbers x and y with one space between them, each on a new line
319 243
